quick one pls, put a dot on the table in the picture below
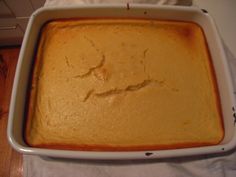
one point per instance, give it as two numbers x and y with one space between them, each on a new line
10 160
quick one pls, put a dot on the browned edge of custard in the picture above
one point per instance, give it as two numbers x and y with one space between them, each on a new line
32 92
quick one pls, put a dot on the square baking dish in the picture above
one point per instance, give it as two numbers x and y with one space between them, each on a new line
189 14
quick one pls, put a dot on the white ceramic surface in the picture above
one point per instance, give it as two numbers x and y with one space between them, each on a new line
18 99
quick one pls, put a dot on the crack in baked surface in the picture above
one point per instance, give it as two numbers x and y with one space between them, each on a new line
123 84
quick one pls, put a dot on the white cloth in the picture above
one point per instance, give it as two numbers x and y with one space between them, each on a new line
206 166
73 2
201 166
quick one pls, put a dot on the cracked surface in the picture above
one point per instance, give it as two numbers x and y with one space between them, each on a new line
123 84
92 69
135 87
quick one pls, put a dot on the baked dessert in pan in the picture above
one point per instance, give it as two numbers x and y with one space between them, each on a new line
122 85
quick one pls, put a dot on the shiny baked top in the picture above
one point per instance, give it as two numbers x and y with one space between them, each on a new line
123 84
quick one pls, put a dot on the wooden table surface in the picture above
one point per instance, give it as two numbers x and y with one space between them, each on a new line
10 160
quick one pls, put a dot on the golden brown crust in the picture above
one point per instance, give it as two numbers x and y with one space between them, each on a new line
31 97
215 86
187 33
98 147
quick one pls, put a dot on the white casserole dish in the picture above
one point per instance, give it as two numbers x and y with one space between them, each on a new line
18 99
